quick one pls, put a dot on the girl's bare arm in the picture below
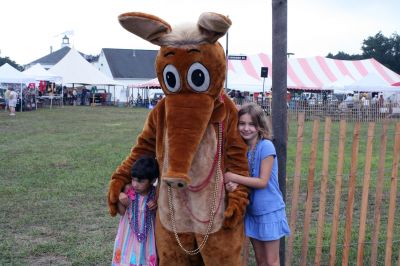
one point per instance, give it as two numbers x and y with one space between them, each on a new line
261 182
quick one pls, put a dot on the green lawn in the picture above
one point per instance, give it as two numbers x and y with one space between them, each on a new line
55 165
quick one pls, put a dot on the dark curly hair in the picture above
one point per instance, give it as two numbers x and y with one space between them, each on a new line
145 167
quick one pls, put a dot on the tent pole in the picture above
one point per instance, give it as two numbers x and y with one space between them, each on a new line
35 97
62 95
262 98
21 95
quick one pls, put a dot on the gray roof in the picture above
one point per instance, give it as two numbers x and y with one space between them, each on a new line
53 58
131 63
123 63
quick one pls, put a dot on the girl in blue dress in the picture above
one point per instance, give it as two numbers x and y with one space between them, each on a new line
265 219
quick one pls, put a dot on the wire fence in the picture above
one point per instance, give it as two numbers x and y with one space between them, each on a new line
337 111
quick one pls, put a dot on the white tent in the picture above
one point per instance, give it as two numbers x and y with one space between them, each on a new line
239 81
9 74
40 73
311 73
372 83
74 69
339 85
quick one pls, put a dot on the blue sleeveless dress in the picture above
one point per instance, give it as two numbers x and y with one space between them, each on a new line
265 217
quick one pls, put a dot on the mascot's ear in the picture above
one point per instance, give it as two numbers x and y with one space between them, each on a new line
213 25
148 27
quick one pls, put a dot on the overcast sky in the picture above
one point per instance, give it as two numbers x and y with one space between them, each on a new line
315 27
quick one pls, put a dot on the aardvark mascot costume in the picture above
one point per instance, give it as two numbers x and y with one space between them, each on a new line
193 134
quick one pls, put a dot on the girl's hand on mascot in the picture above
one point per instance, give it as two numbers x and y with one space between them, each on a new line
231 186
228 177
123 198
152 205
114 189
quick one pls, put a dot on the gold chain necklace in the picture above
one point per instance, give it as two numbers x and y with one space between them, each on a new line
213 203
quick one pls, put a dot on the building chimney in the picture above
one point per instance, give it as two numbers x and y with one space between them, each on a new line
51 49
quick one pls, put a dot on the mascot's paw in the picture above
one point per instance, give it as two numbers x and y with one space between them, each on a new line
234 213
114 189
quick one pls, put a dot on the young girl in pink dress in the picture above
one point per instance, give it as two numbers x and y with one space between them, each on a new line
135 241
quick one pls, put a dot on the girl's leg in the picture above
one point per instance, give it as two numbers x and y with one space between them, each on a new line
266 252
12 110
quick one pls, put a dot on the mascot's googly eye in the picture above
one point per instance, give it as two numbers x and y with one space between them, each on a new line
198 77
172 78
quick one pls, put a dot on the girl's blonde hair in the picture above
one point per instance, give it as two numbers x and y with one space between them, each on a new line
258 117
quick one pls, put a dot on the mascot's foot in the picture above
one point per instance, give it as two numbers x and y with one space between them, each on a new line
178 183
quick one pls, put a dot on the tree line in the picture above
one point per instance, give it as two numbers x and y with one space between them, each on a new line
386 50
6 59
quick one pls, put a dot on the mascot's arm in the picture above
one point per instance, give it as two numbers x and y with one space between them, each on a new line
235 162
122 175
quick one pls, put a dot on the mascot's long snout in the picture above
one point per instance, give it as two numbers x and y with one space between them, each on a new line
185 130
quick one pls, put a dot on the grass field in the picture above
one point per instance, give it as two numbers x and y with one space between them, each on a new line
55 165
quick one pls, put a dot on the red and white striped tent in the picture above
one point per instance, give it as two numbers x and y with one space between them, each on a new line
312 73
150 84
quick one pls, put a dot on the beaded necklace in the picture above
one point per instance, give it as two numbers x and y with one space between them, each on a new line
252 158
148 216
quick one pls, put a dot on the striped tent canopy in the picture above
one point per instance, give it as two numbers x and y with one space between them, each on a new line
150 84
311 73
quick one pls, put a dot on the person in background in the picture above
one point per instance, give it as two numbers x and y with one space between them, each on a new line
65 97
265 219
288 98
70 97
139 100
374 100
7 98
83 96
74 96
381 107
381 101
135 241
12 101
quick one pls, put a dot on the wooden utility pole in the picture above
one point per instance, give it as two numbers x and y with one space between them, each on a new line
279 95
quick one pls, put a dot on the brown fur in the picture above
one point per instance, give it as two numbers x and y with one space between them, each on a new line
182 132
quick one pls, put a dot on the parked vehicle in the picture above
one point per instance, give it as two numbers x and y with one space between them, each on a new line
156 98
101 97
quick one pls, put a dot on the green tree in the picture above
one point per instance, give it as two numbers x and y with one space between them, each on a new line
344 56
394 60
6 59
386 50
